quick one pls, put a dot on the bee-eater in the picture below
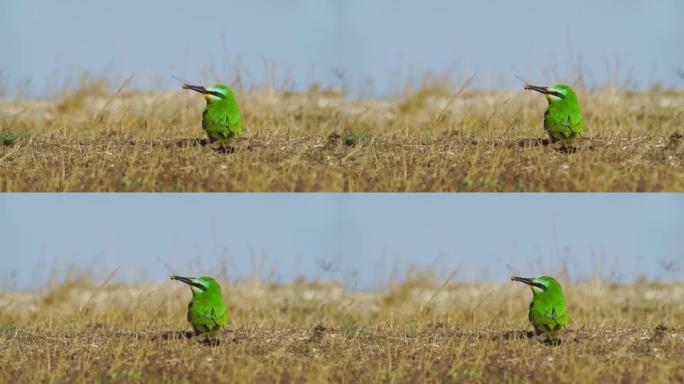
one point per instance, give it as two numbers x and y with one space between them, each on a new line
206 312
548 312
221 117
563 118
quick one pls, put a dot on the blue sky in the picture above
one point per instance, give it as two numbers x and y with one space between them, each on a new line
379 44
363 239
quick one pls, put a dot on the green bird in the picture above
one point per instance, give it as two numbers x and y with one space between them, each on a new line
548 312
206 311
221 117
563 118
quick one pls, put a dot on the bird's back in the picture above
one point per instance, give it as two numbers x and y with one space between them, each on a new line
548 315
207 313
564 121
222 120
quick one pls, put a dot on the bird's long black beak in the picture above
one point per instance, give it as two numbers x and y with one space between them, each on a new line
188 280
527 281
202 90
530 87
544 90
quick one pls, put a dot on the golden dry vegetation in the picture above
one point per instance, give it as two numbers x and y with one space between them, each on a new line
430 139
416 331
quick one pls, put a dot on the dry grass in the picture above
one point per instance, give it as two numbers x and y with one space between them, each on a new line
418 331
428 140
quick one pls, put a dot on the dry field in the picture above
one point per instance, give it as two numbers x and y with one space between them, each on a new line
432 139
418 331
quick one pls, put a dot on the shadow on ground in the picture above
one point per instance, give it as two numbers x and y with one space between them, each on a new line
223 337
565 337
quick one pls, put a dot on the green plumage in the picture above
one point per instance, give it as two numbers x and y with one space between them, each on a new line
563 119
548 312
207 312
221 118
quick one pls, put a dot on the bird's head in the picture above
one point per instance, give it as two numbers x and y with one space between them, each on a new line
212 94
199 285
539 285
557 93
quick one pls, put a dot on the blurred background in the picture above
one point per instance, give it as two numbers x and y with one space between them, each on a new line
368 48
362 240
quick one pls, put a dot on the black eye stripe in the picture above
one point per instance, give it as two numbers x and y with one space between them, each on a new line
198 285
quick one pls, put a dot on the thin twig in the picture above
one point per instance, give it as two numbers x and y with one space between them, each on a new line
104 283
116 94
444 284
440 115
